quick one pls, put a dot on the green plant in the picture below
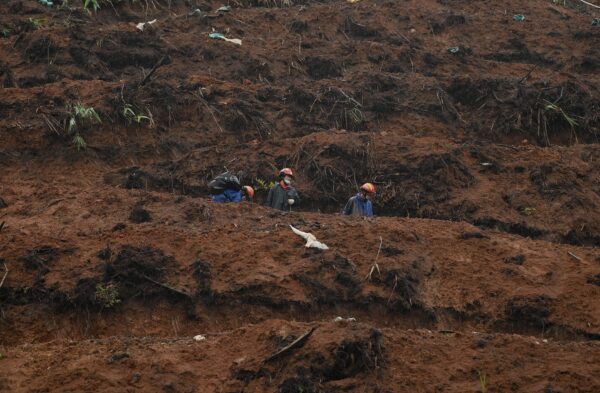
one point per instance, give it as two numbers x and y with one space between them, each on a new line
93 3
555 108
528 211
263 184
131 116
107 295
79 142
86 113
80 115
5 31
482 382
37 23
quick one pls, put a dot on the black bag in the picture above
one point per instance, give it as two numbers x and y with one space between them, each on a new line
224 181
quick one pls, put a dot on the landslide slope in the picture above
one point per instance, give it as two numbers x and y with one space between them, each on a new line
479 130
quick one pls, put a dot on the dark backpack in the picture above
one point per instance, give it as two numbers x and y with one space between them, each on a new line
224 181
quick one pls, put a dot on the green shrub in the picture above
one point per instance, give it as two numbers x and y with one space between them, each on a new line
107 295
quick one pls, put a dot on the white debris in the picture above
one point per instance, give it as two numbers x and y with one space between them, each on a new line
199 338
142 26
340 319
311 240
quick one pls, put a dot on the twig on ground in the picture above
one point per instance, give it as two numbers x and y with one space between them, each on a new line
375 266
170 288
393 289
5 274
527 75
294 344
574 256
160 62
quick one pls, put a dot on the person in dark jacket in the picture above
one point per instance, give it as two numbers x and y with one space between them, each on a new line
360 204
283 195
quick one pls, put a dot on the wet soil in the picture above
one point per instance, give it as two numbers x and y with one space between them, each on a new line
479 273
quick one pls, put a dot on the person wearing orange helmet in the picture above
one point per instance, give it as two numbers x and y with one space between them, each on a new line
360 204
227 188
283 195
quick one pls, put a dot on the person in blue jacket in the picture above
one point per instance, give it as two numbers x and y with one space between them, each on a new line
232 195
360 204
226 188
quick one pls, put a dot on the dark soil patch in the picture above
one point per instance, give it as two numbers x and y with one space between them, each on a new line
516 260
321 67
352 358
532 311
135 269
139 215
40 258
594 280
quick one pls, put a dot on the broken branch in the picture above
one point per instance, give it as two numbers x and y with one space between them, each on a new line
294 344
375 266
5 274
160 62
170 288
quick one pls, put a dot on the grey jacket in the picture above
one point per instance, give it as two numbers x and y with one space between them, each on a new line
278 197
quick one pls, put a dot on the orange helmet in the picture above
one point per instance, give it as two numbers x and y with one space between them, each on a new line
286 172
368 187
249 191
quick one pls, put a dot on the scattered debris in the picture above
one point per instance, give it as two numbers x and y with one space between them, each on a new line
195 12
574 256
46 3
311 240
487 164
199 338
297 343
340 319
225 8
519 17
142 26
219 36
2 225
596 22
590 4
454 50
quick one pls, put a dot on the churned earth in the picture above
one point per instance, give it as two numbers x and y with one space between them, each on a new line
480 273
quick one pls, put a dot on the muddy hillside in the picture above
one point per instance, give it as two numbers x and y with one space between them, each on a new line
477 121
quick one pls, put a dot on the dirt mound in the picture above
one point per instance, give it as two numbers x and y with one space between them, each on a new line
476 121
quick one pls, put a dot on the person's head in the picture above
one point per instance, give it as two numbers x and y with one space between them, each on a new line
367 190
248 192
286 175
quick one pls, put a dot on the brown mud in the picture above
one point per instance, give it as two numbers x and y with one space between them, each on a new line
481 271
